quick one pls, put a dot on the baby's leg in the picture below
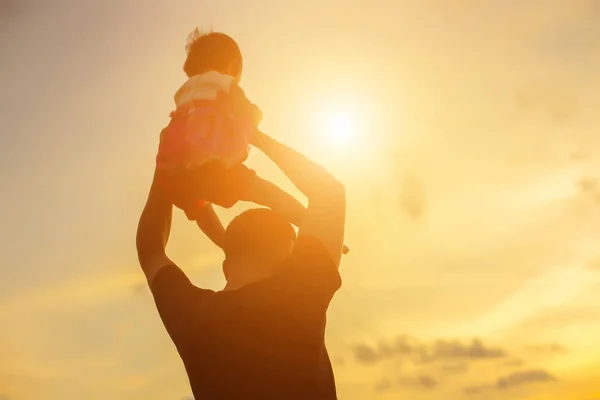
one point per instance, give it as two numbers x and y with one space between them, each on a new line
268 194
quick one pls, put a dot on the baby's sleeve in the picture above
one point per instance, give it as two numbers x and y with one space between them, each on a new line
242 107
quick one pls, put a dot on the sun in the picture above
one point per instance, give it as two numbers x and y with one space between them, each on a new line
340 128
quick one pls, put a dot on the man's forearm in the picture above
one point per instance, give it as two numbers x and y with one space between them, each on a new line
309 177
155 224
326 212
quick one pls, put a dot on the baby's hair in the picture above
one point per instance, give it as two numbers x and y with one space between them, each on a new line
212 51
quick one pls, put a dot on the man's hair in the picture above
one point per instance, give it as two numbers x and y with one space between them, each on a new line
212 51
258 234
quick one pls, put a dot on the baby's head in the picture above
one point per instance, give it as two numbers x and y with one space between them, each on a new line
212 51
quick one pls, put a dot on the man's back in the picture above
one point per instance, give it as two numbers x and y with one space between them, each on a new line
263 341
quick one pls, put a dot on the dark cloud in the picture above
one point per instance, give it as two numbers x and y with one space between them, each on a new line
384 385
577 155
478 389
524 378
513 380
339 361
438 351
458 368
550 98
444 349
575 39
513 363
552 348
419 382
365 354
589 188
588 185
140 289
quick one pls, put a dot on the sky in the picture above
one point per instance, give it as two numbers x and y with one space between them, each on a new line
468 143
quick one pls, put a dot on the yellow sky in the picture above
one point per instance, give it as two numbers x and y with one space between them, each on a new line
471 175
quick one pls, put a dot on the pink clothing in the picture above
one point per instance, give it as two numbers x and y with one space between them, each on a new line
213 121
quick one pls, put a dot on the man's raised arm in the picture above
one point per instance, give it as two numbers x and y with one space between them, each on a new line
326 213
153 232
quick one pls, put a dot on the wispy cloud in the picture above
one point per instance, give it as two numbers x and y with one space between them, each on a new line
419 382
513 380
420 352
458 368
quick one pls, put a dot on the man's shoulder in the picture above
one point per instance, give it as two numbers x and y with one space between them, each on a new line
310 267
171 281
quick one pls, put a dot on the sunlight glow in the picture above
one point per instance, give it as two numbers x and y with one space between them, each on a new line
341 128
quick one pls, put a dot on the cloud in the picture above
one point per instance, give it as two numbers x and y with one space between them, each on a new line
365 354
339 361
588 185
412 198
551 348
513 363
420 382
384 385
550 98
439 350
458 368
524 378
444 349
478 389
575 37
140 289
513 380
589 188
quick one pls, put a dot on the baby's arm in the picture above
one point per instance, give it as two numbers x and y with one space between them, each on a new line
268 194
242 107
208 221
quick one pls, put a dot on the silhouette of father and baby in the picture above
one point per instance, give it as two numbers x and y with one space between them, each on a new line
262 336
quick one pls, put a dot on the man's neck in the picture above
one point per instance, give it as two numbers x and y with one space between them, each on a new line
246 279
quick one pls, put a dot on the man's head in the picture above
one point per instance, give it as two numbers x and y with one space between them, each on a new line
212 51
255 244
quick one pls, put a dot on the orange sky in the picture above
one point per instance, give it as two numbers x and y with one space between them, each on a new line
471 175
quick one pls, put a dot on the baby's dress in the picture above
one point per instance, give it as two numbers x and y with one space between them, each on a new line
206 141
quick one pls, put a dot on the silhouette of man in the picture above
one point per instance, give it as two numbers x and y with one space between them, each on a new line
262 336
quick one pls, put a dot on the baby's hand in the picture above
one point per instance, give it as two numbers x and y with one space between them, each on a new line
255 114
